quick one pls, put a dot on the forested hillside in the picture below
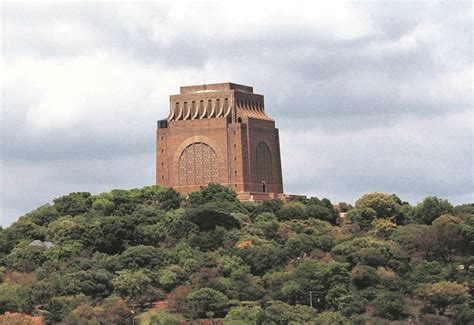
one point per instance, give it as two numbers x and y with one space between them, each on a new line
103 259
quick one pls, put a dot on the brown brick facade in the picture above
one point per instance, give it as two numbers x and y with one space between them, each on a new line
219 133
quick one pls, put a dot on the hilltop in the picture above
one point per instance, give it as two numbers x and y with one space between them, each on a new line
103 259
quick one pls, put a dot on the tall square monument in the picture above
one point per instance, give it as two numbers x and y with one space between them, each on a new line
219 133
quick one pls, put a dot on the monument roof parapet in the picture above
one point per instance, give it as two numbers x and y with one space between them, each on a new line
215 87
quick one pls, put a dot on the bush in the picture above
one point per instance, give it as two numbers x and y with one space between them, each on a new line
443 295
390 305
292 211
73 203
364 276
211 215
137 257
165 318
362 217
207 302
386 206
212 193
279 313
246 314
330 318
432 208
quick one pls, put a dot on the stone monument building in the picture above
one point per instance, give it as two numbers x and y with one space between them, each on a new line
219 133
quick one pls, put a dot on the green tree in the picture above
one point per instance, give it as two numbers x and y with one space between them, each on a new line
207 302
299 245
59 307
427 272
449 239
440 241
365 250
26 259
383 228
244 286
279 313
66 229
116 311
390 305
160 197
330 318
467 231
245 314
84 314
291 211
33 294
137 257
210 215
103 204
212 193
464 315
386 206
171 276
432 208
322 212
43 215
443 295
20 231
363 276
292 292
73 203
320 278
94 282
351 304
165 318
10 299
464 210
262 256
362 217
135 287
111 235
417 239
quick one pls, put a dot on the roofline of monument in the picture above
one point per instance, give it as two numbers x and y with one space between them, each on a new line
214 87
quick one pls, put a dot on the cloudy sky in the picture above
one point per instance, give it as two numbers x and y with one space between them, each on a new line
367 96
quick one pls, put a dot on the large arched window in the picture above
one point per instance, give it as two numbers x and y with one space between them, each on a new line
198 165
264 163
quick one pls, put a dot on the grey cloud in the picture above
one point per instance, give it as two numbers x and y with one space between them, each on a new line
83 140
412 161
33 183
368 113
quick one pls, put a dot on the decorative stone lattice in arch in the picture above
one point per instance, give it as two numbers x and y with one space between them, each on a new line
264 163
198 165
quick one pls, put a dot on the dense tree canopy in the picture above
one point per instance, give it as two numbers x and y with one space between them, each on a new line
103 259
432 208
